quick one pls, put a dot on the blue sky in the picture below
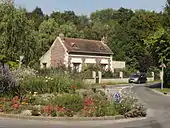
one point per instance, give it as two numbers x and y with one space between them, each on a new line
88 6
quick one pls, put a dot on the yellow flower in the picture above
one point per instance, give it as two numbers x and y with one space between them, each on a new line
22 103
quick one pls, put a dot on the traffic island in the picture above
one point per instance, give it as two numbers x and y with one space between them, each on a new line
92 104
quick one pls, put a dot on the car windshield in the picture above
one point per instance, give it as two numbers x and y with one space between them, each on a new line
134 76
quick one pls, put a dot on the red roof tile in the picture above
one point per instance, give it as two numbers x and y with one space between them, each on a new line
76 45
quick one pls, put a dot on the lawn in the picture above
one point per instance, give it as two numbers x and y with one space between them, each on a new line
167 90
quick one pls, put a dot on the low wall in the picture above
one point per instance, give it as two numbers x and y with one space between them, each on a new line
150 79
114 80
90 81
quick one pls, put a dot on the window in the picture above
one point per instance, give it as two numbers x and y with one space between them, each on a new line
74 45
44 65
76 67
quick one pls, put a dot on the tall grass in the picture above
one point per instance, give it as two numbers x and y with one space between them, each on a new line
59 83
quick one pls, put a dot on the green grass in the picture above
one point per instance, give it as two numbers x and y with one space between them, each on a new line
164 90
109 83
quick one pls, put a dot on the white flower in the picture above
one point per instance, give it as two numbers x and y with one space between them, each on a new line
35 92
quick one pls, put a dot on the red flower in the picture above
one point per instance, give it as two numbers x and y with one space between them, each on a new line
60 109
16 97
14 101
48 109
16 106
73 87
88 101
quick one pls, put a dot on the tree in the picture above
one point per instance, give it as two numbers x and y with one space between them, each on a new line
48 30
37 16
66 16
16 33
69 29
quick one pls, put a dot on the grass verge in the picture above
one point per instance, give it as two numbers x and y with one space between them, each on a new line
165 90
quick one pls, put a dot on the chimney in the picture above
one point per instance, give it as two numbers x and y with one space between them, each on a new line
61 35
104 40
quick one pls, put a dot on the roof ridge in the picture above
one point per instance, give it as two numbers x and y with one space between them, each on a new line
83 39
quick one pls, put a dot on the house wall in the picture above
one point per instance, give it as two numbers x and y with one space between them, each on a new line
87 59
118 64
59 56
46 59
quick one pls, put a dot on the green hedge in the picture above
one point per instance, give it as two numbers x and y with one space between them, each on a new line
167 76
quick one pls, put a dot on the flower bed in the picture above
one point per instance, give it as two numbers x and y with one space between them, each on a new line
59 95
88 103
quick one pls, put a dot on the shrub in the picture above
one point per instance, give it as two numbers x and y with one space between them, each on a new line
62 83
106 109
130 106
107 74
74 102
35 111
167 76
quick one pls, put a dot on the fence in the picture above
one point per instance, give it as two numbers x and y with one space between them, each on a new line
98 79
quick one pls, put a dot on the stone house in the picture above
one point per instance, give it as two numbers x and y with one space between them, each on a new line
75 53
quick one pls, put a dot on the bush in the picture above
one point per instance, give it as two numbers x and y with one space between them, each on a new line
73 102
130 106
156 72
167 76
107 74
61 84
51 71
106 109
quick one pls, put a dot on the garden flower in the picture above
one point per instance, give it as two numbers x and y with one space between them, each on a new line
16 106
16 97
73 86
35 93
23 103
14 101
48 109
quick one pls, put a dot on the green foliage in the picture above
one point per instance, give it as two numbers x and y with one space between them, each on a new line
59 83
107 74
167 76
141 38
74 102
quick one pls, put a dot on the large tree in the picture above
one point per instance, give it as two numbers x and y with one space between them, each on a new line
16 33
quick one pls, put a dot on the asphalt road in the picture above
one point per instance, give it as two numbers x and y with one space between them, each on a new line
158 116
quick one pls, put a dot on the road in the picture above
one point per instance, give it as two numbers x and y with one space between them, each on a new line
158 116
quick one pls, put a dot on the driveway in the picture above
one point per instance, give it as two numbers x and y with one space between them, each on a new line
158 110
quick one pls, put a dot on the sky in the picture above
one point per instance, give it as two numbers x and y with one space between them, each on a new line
87 6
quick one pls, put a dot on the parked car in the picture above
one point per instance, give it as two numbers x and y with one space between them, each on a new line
138 78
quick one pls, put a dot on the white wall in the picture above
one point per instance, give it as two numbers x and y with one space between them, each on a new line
115 80
90 81
46 59
118 64
90 61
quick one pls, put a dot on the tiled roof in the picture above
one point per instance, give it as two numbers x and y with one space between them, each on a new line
76 45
